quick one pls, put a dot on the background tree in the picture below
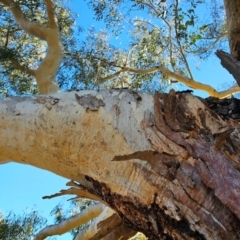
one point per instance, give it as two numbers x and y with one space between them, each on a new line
175 34
14 227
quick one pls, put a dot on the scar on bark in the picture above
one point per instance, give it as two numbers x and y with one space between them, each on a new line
89 102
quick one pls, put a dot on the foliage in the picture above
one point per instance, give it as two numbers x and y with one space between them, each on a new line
24 227
163 33
167 32
13 227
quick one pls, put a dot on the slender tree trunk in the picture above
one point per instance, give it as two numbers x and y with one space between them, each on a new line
233 22
167 164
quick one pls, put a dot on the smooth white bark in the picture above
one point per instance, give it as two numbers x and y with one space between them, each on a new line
100 226
83 217
57 134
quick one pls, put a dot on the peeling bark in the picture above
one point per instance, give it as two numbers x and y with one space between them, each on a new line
89 102
167 164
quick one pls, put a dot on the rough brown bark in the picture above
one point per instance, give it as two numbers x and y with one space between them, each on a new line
233 22
202 183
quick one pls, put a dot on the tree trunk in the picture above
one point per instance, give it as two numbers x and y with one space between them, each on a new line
233 22
167 164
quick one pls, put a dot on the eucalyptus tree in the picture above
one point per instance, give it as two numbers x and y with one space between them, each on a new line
162 164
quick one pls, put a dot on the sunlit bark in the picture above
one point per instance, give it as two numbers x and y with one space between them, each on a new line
106 222
83 217
166 164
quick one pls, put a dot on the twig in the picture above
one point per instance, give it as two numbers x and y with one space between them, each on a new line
179 43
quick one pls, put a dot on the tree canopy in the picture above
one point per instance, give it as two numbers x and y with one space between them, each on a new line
164 37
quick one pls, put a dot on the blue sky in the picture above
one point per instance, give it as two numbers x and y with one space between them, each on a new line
22 186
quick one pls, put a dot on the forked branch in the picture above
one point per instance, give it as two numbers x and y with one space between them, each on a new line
46 72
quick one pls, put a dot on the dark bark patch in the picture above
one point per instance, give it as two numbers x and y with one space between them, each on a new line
228 108
173 227
204 180
221 137
150 220
164 128
135 94
174 114
89 102
47 99
100 189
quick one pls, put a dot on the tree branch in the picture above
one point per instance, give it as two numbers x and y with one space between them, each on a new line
104 79
187 81
29 27
216 40
7 38
45 74
51 16
179 43
86 215
105 223
23 69
151 6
